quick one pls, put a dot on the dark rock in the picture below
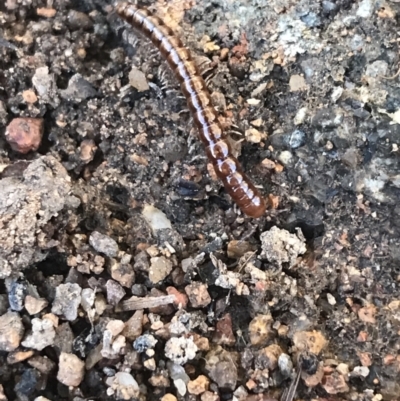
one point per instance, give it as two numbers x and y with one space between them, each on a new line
27 383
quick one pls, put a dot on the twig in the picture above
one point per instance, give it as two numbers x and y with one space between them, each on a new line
136 303
392 77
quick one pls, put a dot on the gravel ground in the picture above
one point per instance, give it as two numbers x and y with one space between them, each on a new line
126 273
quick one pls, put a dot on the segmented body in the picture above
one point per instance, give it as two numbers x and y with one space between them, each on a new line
205 117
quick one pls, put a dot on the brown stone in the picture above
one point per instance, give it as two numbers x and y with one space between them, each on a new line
310 341
199 385
25 134
134 326
224 333
198 294
260 330
335 384
268 357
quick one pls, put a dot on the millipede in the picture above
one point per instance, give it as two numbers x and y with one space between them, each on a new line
198 98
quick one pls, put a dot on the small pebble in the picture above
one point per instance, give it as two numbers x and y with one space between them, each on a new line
336 93
115 327
199 385
300 116
24 134
343 369
297 83
254 136
123 273
180 387
221 368
34 305
150 364
180 349
87 151
88 297
156 219
134 326
46 12
285 157
78 89
268 357
223 332
71 370
360 371
280 246
42 335
138 80
17 291
45 85
237 249
26 383
351 158
160 268
335 384
124 386
11 331
296 139
269 164
367 314
260 330
365 8
198 295
365 358
29 96
79 20
67 301
115 292
310 341
181 300
144 342
331 299
285 365
103 244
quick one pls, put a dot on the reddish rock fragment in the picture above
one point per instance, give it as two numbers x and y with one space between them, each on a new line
25 134
181 300
224 333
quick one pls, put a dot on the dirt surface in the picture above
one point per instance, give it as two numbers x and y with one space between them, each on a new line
126 271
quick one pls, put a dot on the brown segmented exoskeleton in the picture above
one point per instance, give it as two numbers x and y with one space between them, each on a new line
205 117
